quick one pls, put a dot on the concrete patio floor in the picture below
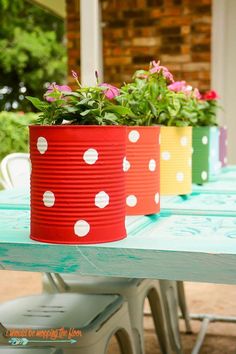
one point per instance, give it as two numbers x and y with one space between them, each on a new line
202 298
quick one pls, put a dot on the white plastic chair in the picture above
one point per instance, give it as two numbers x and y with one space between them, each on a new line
98 317
15 170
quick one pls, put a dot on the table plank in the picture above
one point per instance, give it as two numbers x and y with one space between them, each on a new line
162 247
202 204
15 199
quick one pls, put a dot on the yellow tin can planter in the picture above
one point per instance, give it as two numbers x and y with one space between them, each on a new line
176 160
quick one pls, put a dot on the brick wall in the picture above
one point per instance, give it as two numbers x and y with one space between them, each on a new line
73 37
178 32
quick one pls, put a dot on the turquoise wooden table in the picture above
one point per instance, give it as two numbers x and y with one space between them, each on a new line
193 239
215 198
226 183
177 247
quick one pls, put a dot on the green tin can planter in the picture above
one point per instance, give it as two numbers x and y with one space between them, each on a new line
205 159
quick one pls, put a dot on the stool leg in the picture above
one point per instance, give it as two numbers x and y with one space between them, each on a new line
170 299
125 343
136 305
158 318
183 306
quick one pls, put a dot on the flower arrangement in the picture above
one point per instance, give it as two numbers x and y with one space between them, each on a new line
94 105
155 99
208 107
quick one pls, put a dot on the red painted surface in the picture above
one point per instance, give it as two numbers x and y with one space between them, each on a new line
77 183
143 170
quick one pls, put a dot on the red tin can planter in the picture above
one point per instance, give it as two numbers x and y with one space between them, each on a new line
142 167
77 184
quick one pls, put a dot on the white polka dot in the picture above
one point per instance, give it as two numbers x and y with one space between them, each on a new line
48 199
179 176
126 164
184 141
134 136
157 198
131 200
90 156
81 228
152 165
101 199
190 162
42 145
165 155
205 140
204 175
225 160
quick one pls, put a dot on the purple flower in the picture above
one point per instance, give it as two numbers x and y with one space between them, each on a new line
56 88
110 91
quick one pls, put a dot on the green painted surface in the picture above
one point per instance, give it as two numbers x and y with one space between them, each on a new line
201 149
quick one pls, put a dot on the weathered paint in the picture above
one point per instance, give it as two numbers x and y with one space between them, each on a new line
194 248
201 203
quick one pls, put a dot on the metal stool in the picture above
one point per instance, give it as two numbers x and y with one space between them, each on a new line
98 317
134 292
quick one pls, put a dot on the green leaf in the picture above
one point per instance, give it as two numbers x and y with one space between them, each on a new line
40 105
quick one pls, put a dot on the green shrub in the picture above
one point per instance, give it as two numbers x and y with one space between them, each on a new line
14 132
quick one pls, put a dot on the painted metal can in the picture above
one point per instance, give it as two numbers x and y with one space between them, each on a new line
214 161
205 154
223 146
142 168
77 183
176 160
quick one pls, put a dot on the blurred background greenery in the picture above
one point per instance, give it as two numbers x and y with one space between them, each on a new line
32 53
14 132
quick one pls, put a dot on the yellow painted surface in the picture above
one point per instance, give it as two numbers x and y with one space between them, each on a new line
58 7
176 160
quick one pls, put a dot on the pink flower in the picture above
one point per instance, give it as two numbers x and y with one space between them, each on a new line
177 86
197 94
74 74
110 91
210 95
55 88
181 86
156 68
